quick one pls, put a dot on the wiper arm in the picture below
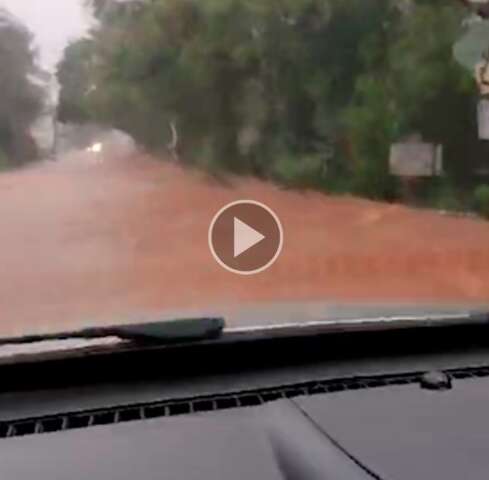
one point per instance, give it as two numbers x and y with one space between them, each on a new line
164 332
210 328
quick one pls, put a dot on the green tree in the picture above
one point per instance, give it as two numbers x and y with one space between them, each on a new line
412 84
74 75
245 81
21 99
275 88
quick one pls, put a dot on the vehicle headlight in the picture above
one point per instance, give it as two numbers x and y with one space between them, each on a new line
95 148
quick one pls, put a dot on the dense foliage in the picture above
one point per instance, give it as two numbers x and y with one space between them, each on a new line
481 200
309 92
21 99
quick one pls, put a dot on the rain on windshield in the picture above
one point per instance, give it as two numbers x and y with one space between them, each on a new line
196 155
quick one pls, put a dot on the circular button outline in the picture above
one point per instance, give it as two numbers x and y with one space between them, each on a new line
270 262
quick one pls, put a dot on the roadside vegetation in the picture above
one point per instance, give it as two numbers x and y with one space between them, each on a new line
20 98
309 93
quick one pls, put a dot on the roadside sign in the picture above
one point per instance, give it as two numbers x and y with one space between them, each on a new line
483 119
416 159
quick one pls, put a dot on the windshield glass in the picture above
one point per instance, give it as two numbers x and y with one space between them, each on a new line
166 157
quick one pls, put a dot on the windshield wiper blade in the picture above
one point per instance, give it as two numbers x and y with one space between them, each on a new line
164 332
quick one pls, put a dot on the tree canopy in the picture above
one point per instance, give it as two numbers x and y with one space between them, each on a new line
308 92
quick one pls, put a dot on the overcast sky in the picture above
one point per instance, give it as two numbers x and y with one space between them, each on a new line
53 22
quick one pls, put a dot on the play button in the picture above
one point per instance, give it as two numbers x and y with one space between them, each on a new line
245 237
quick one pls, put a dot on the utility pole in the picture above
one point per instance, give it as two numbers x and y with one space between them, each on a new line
54 152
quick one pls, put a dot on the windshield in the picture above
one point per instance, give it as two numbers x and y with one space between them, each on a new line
166 157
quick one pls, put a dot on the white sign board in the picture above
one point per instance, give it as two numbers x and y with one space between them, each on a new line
483 119
416 159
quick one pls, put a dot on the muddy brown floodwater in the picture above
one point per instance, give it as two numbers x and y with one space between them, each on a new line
84 242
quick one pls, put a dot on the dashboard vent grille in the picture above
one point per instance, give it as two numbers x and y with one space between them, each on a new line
167 408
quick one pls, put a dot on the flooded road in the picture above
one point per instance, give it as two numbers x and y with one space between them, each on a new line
85 241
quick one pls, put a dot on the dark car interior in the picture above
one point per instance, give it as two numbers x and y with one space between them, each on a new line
402 402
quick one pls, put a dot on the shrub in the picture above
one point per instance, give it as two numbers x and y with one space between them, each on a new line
3 160
481 200
444 196
306 171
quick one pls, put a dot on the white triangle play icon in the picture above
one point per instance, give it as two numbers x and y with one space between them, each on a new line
245 237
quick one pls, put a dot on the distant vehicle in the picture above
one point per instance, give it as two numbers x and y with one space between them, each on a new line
95 148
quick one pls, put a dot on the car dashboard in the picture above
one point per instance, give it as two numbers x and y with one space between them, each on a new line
343 406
